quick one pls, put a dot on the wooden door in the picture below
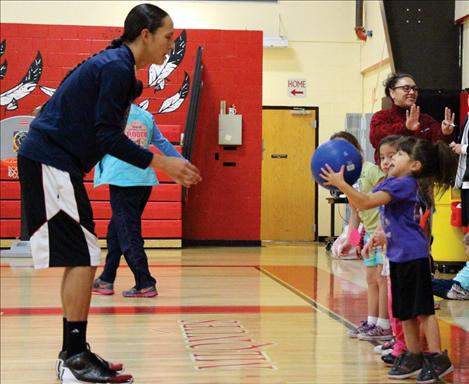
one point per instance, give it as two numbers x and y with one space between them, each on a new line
288 209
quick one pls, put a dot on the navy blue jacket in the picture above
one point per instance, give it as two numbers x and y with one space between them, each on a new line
85 118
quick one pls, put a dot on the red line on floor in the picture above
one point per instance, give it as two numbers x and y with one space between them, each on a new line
168 266
165 309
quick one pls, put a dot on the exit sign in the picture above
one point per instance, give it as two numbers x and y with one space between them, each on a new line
296 88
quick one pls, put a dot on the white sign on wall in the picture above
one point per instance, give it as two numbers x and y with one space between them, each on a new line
296 88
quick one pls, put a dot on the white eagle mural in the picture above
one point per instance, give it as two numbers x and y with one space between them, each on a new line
10 97
158 75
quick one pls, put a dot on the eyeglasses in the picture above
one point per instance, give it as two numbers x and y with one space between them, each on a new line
408 88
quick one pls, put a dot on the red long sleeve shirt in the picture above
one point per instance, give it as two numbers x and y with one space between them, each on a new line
392 122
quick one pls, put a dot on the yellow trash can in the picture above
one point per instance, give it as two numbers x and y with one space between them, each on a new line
447 247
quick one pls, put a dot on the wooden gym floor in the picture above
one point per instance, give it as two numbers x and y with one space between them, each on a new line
277 314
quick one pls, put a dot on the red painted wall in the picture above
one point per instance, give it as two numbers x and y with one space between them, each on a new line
226 205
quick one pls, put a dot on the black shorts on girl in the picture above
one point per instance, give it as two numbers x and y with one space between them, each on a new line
411 289
58 216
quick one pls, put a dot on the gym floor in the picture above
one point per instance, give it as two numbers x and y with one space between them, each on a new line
276 314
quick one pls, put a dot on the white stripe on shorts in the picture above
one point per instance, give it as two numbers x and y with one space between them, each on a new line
59 196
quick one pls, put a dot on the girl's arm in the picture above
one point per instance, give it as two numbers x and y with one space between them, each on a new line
357 199
162 143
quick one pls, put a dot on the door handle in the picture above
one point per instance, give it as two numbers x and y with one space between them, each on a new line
279 156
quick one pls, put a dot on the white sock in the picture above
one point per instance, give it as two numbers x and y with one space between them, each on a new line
372 320
383 323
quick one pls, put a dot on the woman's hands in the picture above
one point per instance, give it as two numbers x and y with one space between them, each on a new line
412 118
456 148
447 125
180 170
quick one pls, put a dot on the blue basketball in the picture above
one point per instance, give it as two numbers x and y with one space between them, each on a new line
337 152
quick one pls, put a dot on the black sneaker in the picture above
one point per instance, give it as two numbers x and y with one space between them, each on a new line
389 359
116 367
406 365
59 363
435 366
86 367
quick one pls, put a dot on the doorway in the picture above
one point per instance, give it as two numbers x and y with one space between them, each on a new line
289 204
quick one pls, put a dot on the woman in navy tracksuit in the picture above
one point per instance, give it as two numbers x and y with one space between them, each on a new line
84 120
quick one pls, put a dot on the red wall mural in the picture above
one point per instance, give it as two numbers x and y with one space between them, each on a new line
226 205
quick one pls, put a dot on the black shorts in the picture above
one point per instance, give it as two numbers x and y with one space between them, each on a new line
58 216
411 289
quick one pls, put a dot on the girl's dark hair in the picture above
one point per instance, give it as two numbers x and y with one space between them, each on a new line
392 140
140 17
392 80
348 137
439 162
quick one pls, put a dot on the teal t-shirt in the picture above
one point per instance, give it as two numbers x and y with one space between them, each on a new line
142 130
463 276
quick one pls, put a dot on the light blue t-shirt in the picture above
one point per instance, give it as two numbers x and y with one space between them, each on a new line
142 130
463 276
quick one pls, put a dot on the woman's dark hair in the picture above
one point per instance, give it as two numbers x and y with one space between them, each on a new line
439 162
140 17
348 137
392 80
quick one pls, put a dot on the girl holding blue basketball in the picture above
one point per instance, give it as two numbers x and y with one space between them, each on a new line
407 248
376 326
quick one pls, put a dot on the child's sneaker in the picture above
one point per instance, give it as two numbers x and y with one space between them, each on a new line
406 365
144 292
388 359
458 293
363 327
86 367
102 288
376 333
385 348
435 366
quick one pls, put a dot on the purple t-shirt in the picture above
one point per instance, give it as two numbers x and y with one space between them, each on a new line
400 220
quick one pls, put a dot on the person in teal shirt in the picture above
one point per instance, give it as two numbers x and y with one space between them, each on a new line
456 288
130 188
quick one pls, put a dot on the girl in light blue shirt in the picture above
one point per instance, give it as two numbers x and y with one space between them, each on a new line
130 188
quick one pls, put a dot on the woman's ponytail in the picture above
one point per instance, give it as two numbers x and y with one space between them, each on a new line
116 43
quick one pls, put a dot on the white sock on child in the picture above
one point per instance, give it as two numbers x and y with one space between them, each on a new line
372 320
383 323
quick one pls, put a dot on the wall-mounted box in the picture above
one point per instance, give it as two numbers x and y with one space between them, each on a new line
230 129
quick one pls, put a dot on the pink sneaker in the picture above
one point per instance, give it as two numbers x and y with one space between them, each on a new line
363 327
102 288
144 292
376 333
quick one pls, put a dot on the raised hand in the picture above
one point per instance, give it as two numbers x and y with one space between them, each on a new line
447 125
412 118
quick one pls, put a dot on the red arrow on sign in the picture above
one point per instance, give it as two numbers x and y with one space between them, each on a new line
295 92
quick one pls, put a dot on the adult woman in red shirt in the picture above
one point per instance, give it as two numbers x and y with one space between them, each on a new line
404 118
